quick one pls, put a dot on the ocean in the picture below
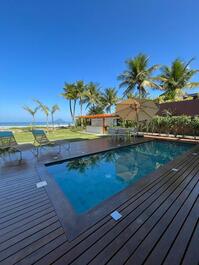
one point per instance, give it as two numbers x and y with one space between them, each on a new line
25 124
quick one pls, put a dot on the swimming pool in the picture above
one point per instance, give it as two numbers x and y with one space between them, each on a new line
89 180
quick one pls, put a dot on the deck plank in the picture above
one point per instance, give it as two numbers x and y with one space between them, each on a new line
176 252
115 230
160 222
191 255
98 230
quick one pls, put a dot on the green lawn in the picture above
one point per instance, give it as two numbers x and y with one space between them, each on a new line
24 136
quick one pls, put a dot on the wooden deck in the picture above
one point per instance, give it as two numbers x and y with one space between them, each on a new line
160 223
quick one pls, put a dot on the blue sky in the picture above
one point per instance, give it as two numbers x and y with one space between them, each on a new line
45 43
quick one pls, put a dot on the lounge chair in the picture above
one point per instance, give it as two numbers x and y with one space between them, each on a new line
113 133
123 133
119 133
8 144
41 141
133 132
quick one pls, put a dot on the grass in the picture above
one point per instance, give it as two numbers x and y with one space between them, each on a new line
25 136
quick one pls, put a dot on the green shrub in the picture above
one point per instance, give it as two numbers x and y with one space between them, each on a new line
177 125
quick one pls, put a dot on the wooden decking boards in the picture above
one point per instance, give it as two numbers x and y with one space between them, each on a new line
159 224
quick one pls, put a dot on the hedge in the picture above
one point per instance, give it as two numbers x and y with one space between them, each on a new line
177 125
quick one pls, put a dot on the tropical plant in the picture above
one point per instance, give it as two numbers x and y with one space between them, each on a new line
138 75
176 125
175 78
71 94
92 95
93 110
52 111
81 88
109 98
195 126
32 112
45 110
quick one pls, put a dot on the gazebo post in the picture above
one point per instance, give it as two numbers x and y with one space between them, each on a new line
103 124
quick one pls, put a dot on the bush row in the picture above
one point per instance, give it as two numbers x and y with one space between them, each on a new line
177 125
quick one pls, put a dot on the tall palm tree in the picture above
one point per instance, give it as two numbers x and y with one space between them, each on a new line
45 110
93 110
81 87
71 94
32 112
109 98
175 78
52 111
92 95
138 75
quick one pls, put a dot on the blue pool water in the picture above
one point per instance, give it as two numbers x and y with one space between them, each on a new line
90 180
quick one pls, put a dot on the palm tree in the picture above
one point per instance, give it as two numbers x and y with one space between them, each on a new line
81 87
175 78
92 95
44 108
71 94
93 110
109 98
138 75
31 112
52 111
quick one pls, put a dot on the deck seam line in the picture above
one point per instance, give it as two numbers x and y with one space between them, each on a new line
162 217
184 254
29 221
44 202
27 205
177 234
31 234
21 249
29 215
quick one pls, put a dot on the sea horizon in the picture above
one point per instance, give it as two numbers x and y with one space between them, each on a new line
25 124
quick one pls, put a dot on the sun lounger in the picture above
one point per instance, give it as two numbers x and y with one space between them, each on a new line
113 133
133 132
42 141
8 144
123 133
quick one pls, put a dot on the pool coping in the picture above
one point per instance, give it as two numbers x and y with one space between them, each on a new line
74 224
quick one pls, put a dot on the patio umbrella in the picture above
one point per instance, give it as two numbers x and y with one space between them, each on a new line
137 110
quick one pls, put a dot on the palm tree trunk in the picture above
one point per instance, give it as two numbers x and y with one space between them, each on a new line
33 120
74 108
52 121
47 122
70 105
81 105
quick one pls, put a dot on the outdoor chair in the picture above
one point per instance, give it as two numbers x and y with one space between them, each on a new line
113 133
133 132
8 144
123 134
41 141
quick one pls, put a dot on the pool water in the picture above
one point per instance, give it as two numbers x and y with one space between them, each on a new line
89 180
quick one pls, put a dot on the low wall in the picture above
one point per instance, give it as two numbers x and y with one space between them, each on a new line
94 129
178 108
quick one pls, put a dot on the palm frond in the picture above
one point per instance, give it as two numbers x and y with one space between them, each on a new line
192 85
